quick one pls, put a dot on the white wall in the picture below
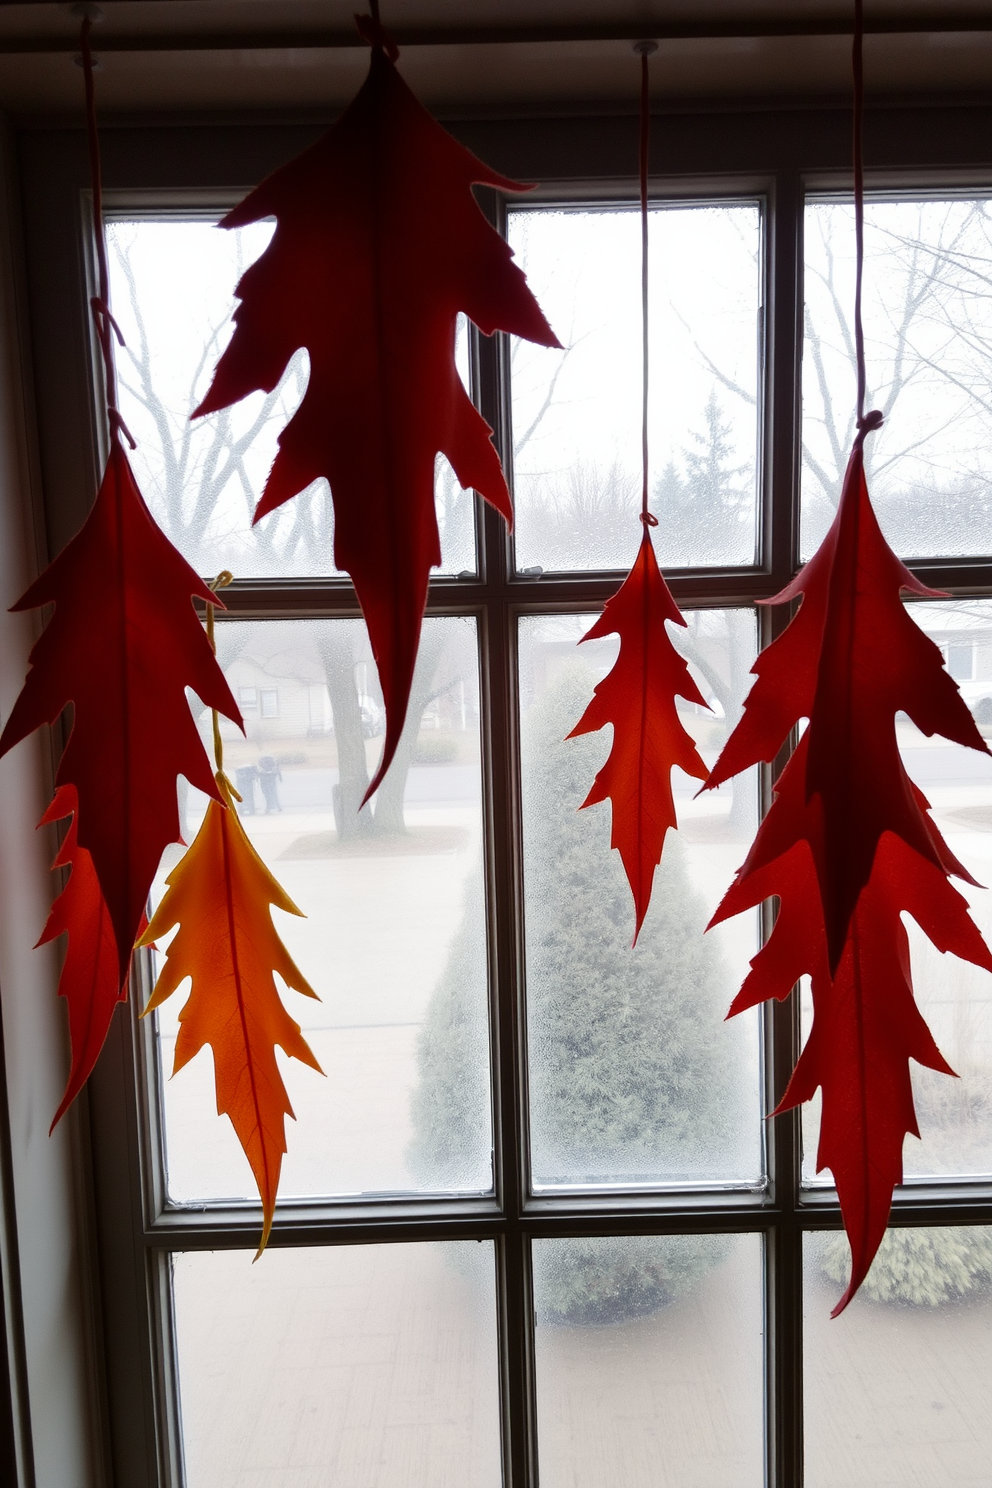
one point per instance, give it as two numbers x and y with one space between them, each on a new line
40 1232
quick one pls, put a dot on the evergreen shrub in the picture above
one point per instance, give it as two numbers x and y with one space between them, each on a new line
630 1075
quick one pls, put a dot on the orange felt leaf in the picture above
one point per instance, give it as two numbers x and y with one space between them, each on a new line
638 698
90 980
379 243
220 895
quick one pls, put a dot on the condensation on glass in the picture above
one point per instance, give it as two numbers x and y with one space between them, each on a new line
649 1361
172 289
955 997
370 1366
577 412
897 1387
635 1077
928 323
394 936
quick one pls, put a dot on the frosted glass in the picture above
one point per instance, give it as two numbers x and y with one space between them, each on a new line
172 290
394 936
897 1391
577 412
368 1366
928 321
635 1077
649 1361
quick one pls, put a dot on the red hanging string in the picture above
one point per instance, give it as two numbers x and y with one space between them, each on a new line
106 325
645 48
872 420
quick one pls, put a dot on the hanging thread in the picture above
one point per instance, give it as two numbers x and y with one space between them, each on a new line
222 580
106 326
873 419
644 49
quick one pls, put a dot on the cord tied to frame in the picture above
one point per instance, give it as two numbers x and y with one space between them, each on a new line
866 422
644 49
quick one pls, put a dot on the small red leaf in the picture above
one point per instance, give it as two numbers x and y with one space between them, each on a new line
122 646
378 245
638 698
90 980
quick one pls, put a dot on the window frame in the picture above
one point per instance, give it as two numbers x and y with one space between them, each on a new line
778 155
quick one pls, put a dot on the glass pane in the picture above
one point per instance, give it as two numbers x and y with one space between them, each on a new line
577 412
635 1077
649 1361
955 997
172 289
928 321
897 1387
371 1366
394 939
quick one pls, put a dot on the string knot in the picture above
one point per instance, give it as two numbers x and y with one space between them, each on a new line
102 314
870 421
118 426
372 31
648 519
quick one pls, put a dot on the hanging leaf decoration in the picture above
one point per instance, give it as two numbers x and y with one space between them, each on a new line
638 698
220 895
847 846
122 646
378 245
638 695
91 980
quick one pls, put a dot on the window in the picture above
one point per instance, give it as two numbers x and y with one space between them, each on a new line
248 699
533 1220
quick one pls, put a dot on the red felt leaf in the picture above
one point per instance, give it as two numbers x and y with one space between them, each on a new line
122 646
90 981
638 698
378 245
847 847
849 662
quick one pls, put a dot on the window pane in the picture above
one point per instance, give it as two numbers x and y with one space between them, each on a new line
649 1361
172 288
955 997
897 1387
634 1076
928 321
577 412
394 939
371 1366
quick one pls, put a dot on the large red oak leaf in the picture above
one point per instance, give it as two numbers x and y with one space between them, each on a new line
90 981
378 245
866 1024
849 662
638 698
122 646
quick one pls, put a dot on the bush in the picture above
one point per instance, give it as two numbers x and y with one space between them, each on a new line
630 1080
435 749
921 1267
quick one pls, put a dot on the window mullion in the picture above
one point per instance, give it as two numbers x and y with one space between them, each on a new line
783 347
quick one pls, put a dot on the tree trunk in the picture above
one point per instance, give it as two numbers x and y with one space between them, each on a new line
389 818
334 643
